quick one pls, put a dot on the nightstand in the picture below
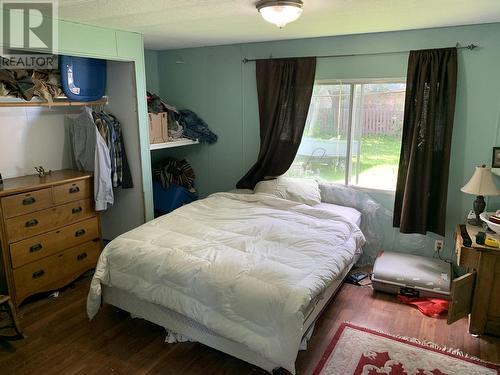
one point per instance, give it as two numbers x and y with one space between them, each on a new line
479 289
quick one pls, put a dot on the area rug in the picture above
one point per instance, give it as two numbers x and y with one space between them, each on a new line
361 351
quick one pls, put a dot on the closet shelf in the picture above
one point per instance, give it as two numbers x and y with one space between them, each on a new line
176 143
58 102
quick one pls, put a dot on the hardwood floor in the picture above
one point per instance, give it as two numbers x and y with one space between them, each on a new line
62 341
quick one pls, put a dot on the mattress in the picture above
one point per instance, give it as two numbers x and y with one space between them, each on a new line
245 266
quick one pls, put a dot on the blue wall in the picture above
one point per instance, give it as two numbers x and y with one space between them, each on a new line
214 82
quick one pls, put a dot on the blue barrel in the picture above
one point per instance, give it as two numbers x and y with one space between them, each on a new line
83 79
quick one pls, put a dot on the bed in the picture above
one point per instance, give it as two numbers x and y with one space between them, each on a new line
247 274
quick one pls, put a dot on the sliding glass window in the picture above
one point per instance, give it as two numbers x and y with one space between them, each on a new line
353 133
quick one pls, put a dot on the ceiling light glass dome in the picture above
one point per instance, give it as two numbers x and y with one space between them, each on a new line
280 12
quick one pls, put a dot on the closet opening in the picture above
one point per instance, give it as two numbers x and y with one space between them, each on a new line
32 136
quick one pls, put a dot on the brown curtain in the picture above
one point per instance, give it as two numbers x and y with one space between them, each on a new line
284 88
422 185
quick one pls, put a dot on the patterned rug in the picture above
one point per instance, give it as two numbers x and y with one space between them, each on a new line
361 351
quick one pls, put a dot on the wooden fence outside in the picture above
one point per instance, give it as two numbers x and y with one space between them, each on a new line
377 120
379 115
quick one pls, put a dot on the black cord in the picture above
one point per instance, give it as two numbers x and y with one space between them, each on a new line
439 256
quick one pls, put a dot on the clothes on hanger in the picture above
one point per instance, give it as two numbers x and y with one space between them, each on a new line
103 188
111 131
122 167
91 153
97 145
108 135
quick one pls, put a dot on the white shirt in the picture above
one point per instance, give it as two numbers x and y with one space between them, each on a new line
91 153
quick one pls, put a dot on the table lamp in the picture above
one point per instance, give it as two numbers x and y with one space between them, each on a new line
480 184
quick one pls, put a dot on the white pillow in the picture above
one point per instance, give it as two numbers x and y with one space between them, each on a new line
294 189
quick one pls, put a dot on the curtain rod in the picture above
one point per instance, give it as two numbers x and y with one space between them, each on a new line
458 46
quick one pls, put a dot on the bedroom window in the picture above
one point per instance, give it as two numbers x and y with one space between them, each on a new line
353 133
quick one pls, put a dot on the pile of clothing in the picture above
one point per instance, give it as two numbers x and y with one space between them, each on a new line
157 105
171 171
97 144
194 127
173 185
181 123
26 84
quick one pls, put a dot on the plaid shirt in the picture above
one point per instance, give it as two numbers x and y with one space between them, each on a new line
115 142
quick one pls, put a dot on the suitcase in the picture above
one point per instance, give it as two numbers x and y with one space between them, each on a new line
411 275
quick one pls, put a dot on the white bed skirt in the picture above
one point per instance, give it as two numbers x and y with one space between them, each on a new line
180 324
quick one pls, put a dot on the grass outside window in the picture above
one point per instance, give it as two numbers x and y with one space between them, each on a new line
359 145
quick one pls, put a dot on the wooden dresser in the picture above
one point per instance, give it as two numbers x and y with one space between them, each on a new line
477 292
49 232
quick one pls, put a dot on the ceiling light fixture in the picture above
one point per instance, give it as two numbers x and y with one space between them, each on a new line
280 12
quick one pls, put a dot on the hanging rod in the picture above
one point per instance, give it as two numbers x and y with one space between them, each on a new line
458 46
58 102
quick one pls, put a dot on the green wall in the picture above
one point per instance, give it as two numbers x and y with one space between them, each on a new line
152 72
214 82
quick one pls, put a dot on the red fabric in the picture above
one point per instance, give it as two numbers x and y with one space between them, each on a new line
432 307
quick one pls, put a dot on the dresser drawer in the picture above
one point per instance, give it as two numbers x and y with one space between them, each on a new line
29 225
72 191
43 245
54 271
20 204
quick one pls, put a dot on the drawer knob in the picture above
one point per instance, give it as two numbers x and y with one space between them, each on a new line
80 232
81 256
38 274
76 210
31 223
28 201
74 189
35 248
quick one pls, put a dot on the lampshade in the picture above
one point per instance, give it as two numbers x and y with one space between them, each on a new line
481 183
280 12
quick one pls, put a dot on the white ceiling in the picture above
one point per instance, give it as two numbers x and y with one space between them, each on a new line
168 24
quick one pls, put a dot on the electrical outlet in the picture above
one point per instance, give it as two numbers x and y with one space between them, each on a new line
438 245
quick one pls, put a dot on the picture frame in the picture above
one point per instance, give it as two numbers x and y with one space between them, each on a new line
495 160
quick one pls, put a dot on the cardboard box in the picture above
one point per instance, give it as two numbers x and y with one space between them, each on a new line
158 127
164 126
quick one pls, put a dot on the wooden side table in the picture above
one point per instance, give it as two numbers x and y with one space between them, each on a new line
7 306
483 282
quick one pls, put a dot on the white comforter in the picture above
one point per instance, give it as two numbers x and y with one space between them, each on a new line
245 266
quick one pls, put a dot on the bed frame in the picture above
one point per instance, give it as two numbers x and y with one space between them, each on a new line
178 323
